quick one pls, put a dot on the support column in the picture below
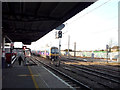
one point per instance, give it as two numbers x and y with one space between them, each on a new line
0 45
0 59
3 52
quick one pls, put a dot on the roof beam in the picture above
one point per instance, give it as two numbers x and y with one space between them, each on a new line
29 18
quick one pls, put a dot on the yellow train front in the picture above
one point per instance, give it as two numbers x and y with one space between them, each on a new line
54 54
50 53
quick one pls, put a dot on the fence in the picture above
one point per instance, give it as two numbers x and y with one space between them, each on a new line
99 54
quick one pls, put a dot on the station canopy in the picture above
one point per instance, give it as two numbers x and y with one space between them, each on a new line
29 21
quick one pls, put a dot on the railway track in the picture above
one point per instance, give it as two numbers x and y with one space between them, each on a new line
71 81
95 77
113 69
100 84
101 70
109 81
113 78
105 68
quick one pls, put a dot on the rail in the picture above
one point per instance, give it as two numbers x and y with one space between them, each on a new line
74 81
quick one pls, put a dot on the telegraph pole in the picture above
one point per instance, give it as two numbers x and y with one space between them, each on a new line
107 52
68 44
74 49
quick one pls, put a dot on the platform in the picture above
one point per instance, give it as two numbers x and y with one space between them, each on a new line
20 76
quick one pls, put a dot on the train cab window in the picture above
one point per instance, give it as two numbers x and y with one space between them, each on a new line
54 50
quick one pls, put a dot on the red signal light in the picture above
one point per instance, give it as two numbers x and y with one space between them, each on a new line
24 47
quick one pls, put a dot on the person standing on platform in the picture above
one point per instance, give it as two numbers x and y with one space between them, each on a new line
19 60
20 57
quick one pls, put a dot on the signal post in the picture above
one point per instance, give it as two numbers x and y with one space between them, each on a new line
59 36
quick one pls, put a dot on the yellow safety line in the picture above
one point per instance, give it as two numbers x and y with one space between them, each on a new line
27 75
35 83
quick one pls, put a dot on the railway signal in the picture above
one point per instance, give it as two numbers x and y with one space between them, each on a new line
60 34
24 47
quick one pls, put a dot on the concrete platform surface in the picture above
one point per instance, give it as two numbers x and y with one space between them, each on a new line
20 76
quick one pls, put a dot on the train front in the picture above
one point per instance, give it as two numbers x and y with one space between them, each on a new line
54 53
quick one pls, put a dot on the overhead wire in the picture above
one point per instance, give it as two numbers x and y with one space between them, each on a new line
85 14
89 11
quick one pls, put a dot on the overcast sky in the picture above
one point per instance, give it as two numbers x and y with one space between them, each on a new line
91 29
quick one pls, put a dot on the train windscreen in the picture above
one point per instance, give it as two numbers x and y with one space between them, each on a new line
54 50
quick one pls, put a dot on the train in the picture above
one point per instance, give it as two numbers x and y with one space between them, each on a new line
49 52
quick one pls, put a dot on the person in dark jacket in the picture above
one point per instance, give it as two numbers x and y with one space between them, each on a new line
19 60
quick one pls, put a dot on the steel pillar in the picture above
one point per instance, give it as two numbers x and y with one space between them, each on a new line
3 52
0 45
